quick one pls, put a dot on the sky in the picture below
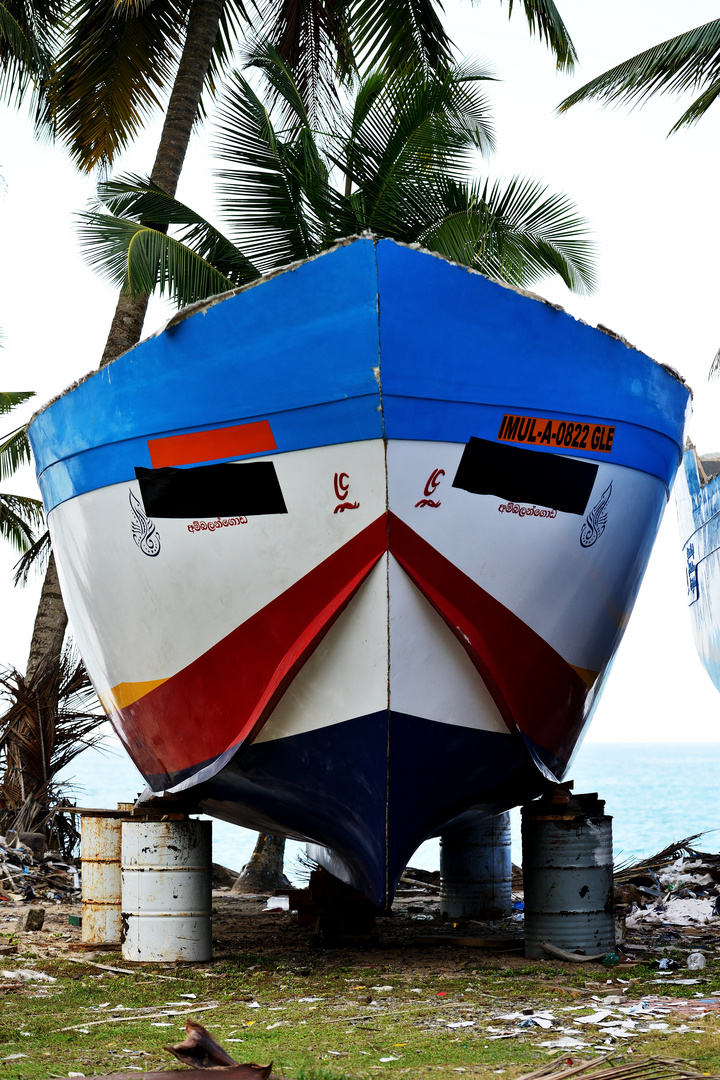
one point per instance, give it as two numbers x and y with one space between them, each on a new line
652 205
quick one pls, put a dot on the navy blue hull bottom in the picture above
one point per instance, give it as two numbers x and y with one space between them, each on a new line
371 789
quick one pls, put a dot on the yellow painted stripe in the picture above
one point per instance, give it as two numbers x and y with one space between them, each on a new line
126 693
587 676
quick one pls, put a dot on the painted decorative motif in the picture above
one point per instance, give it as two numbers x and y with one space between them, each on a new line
596 520
432 482
342 487
144 532
693 587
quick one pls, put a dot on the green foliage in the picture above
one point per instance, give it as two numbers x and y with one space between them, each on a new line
394 161
27 37
545 21
111 74
117 61
19 515
687 63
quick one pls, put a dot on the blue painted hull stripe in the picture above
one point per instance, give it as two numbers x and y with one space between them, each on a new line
452 350
358 420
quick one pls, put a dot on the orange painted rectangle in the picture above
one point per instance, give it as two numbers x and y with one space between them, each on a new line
211 445
568 434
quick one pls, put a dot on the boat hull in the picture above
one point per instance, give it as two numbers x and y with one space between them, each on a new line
698 507
352 590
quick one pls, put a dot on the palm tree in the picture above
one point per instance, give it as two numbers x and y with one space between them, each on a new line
120 54
688 62
394 162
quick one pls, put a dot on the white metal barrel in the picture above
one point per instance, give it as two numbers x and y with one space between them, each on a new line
166 890
101 880
568 875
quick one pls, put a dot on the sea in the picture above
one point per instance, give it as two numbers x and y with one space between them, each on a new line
656 793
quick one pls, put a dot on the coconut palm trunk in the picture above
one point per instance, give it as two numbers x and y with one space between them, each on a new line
182 110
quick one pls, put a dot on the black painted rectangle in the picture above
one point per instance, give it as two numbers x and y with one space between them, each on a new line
209 491
525 476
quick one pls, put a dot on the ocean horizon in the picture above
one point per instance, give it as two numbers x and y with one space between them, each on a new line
656 793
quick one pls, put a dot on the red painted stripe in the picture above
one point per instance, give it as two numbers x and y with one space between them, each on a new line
227 694
211 445
534 688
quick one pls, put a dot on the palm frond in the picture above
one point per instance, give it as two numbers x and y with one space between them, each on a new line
405 133
136 197
108 241
10 399
235 22
14 452
36 557
27 34
18 517
685 63
544 20
141 260
311 39
111 74
264 190
516 233
397 35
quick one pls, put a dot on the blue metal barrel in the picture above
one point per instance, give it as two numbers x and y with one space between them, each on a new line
476 868
568 875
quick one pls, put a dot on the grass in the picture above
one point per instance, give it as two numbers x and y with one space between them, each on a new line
346 1033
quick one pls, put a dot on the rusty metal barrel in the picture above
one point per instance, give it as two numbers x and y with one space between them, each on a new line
166 890
568 874
476 869
101 879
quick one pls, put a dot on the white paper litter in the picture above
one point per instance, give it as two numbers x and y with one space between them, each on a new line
594 1018
391 1058
461 1023
620 1033
564 1043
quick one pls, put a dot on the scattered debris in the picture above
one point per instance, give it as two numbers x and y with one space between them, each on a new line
648 1069
28 874
31 919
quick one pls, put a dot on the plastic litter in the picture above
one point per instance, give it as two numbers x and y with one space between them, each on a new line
696 961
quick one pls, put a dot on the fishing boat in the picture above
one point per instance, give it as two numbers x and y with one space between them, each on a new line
348 552
698 507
